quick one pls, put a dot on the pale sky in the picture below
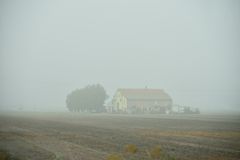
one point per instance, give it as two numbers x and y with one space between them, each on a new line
189 48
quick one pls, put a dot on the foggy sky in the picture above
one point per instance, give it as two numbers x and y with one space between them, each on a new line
189 48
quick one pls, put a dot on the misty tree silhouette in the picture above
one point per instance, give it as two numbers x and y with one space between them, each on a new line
90 98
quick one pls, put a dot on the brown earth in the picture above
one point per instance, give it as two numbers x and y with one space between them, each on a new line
74 136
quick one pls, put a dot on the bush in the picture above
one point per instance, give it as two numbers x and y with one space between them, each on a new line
155 153
131 148
3 156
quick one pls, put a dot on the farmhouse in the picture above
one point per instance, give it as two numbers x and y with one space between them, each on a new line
141 101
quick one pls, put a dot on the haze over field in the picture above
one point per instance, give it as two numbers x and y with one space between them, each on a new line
191 49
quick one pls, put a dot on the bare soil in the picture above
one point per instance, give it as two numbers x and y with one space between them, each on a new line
73 136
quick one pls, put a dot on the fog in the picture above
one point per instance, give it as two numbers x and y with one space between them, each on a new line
191 49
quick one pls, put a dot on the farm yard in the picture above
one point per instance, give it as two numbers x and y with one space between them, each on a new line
74 136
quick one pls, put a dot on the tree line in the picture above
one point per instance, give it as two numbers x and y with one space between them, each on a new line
88 99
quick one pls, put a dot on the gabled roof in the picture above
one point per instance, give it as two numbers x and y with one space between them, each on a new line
145 94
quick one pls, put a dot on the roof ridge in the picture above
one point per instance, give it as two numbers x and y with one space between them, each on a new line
144 93
140 89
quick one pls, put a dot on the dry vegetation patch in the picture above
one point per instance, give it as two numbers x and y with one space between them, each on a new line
155 153
206 134
131 148
4 155
114 157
